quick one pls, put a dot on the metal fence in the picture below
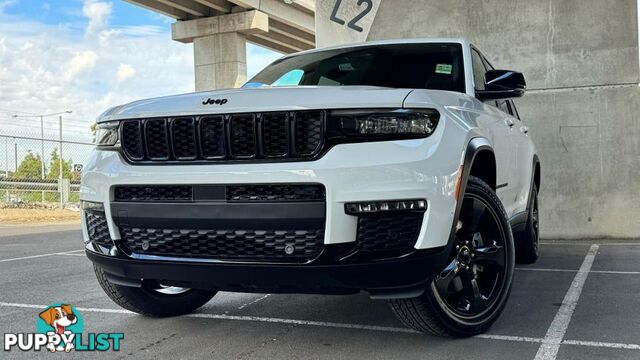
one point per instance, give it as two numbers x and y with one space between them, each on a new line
40 167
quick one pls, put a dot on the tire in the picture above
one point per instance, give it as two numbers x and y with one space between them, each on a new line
151 300
457 302
527 240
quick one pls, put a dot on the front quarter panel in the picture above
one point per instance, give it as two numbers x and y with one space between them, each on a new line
475 119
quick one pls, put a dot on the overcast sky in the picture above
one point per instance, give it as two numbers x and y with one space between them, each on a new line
86 56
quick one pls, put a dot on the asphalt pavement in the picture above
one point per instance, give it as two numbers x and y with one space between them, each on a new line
580 301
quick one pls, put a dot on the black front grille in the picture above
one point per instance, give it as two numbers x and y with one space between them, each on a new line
309 132
391 232
135 193
97 228
291 245
218 138
243 136
212 137
157 139
183 134
275 128
132 140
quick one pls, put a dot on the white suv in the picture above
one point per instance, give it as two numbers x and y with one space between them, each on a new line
399 168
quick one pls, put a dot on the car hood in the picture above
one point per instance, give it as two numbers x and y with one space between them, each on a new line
261 100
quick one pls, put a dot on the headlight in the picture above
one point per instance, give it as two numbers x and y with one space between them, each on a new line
107 133
399 124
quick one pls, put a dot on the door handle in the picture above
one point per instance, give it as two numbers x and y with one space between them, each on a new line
524 129
509 122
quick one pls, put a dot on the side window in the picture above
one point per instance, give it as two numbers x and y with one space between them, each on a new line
505 106
487 64
479 70
515 111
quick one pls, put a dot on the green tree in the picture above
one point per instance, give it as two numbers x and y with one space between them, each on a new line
54 167
29 167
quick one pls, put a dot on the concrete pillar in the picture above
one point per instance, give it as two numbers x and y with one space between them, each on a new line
220 61
220 57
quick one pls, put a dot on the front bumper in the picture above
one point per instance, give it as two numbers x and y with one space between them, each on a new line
394 278
381 171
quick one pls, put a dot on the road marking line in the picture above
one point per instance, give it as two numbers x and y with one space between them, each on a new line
253 302
510 338
236 317
547 270
580 243
553 339
341 325
602 344
304 322
615 272
39 256
591 271
80 255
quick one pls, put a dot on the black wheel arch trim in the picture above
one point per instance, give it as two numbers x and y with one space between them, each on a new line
536 163
474 146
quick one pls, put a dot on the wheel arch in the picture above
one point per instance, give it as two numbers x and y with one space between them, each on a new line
475 147
483 166
536 171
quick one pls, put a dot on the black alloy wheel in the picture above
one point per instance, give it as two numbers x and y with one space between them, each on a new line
474 279
528 236
470 293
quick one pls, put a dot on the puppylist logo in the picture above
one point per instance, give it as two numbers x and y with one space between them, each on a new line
60 328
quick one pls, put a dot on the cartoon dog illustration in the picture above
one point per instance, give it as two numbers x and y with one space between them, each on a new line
59 317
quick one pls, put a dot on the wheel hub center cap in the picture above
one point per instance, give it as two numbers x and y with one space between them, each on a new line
464 255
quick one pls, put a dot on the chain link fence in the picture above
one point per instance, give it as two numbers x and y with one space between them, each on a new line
40 168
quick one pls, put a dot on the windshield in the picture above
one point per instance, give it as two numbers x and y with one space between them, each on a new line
411 66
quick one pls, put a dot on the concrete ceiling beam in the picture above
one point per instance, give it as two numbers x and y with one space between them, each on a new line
161 8
267 43
189 6
284 42
296 34
282 12
218 5
248 23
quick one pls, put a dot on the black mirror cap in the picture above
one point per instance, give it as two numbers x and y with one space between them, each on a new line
502 84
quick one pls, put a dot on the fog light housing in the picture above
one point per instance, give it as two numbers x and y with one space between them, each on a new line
375 207
92 206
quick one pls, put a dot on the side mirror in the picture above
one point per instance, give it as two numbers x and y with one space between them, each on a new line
502 84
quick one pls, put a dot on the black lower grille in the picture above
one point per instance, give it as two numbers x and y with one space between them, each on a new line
229 193
153 193
269 192
389 232
97 227
243 245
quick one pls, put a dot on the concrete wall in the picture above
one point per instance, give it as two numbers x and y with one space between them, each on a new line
580 58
